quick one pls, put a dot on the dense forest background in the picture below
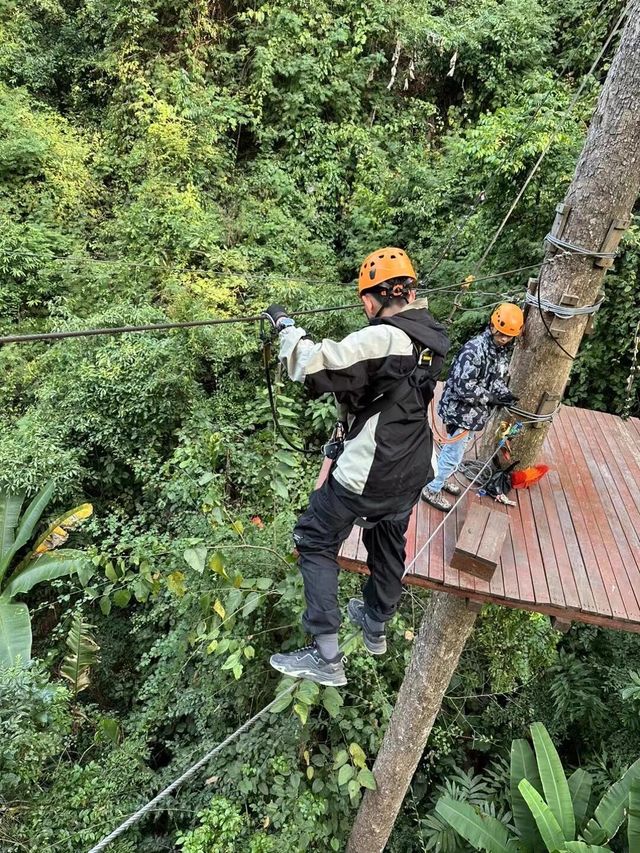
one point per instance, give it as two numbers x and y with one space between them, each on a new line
181 160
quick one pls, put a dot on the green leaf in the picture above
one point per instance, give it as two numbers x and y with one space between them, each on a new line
196 557
548 826
580 783
554 781
345 773
282 703
216 564
342 756
332 701
367 779
302 711
609 812
15 634
83 654
121 597
10 506
252 602
523 766
353 788
581 847
105 605
46 567
27 525
264 583
307 692
357 754
633 829
481 831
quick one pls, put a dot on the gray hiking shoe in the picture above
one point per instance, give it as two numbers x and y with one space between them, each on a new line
452 488
376 643
309 663
435 499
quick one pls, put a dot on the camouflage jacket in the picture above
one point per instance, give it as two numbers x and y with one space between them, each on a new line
480 371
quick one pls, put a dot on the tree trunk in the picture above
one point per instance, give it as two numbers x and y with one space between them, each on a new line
605 186
443 633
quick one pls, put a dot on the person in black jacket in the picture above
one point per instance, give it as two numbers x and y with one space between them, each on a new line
383 378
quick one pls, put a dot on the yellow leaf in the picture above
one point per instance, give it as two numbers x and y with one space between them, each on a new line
219 609
175 583
58 533
409 635
306 756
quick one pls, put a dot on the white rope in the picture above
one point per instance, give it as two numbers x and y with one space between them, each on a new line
136 816
450 512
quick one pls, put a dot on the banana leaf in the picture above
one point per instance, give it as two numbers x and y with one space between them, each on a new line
83 654
523 766
15 634
481 831
580 783
581 847
58 531
46 567
27 526
633 829
548 826
554 781
609 813
10 506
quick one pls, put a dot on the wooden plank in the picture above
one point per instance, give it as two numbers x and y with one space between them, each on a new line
505 581
576 567
617 585
560 552
473 528
410 538
617 520
521 558
577 481
493 538
625 492
425 565
536 564
545 540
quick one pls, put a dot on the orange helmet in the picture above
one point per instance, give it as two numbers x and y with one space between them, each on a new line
508 319
383 265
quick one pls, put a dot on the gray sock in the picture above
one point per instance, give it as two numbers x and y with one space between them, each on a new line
373 626
328 646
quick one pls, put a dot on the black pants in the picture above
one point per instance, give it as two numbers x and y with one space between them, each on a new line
320 532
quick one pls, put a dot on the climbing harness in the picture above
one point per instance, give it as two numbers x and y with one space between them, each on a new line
434 429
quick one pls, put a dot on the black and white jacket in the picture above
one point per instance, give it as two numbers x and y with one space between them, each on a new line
390 451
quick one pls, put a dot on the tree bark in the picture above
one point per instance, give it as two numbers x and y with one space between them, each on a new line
605 187
443 633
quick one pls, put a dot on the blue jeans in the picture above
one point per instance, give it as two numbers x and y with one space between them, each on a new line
449 460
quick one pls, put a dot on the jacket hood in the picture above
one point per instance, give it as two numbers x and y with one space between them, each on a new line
416 321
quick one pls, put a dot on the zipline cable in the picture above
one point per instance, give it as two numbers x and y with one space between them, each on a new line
138 815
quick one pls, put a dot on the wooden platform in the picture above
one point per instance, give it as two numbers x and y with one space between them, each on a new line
573 546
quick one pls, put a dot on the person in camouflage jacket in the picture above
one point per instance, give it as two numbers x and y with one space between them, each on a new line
477 382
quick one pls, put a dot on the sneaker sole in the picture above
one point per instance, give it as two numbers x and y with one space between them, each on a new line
303 672
379 649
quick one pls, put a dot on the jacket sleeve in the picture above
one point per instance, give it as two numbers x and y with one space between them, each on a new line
466 379
345 366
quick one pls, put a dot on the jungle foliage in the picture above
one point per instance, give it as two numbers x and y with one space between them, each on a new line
181 160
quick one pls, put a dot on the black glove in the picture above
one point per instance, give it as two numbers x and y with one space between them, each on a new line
278 317
505 399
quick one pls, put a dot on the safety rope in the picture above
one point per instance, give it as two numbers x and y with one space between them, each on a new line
434 428
573 248
450 512
138 815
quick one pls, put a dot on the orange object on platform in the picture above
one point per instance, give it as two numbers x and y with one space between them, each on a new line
383 265
528 476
